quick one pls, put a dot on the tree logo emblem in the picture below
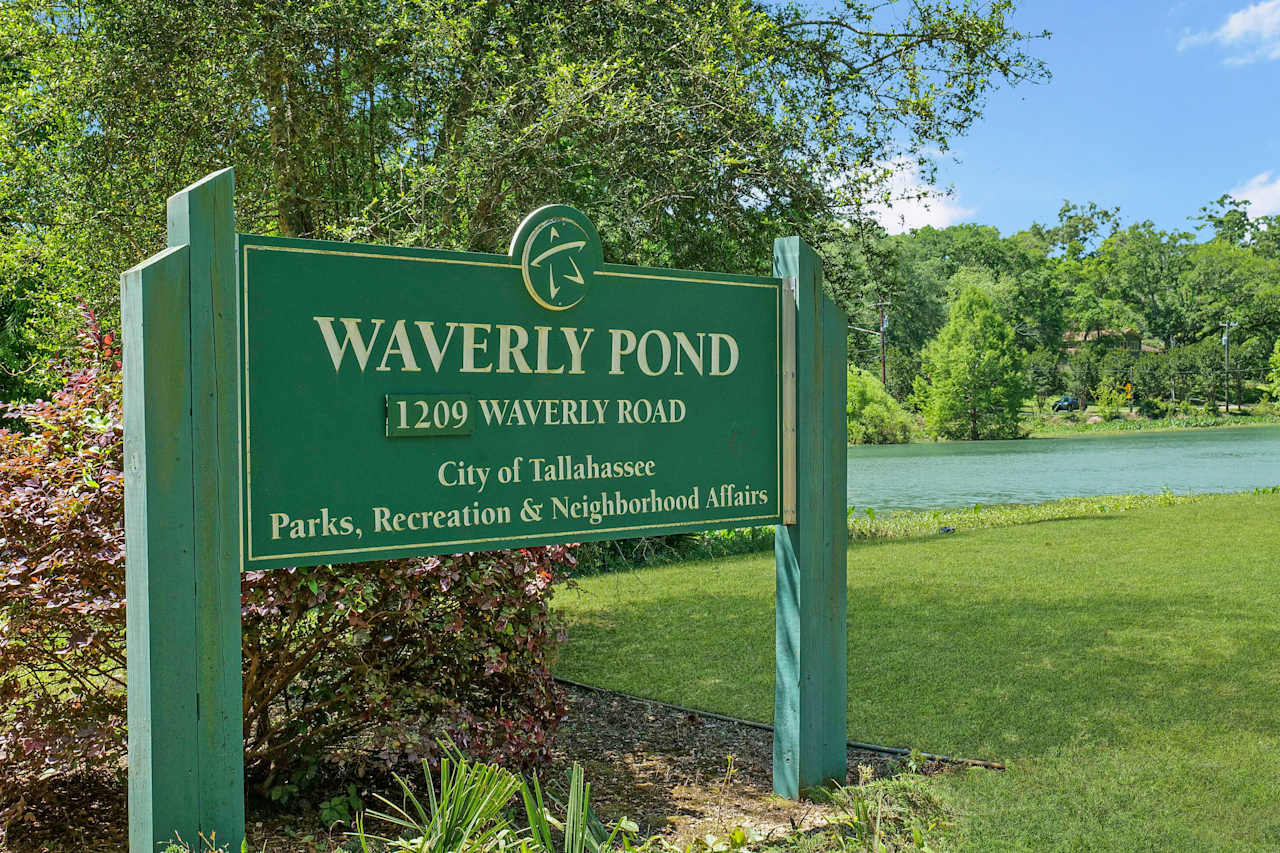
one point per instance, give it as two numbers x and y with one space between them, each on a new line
558 252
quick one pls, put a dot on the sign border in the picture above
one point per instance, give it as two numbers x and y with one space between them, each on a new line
247 242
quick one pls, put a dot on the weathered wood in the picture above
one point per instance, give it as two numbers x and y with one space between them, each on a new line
811 676
159 513
202 216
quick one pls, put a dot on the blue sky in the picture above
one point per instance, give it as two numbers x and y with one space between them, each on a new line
1158 107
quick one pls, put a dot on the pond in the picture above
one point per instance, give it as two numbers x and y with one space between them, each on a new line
962 473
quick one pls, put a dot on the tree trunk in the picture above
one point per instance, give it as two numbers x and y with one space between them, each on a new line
456 116
293 210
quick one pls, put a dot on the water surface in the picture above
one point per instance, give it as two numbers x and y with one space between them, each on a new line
962 473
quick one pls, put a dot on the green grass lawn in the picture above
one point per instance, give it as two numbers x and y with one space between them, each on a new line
1126 666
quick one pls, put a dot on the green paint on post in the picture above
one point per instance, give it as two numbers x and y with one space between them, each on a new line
811 680
203 217
161 561
182 516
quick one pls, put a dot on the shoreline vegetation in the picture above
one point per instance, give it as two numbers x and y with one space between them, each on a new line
1175 423
866 524
909 429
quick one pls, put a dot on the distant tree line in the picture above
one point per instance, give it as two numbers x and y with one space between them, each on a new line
1085 306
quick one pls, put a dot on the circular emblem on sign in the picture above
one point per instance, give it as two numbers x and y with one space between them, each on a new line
550 264
558 252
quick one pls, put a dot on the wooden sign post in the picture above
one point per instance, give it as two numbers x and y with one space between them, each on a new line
811 675
298 402
178 313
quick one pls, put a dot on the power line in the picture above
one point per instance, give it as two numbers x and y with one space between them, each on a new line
884 328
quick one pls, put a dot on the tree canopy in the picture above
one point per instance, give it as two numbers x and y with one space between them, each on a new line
692 134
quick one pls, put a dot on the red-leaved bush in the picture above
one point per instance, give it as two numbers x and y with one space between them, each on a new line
361 665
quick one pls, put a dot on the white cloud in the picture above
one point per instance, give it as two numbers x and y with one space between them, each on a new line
1251 34
1262 191
915 204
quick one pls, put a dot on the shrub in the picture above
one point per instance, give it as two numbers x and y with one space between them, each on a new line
1151 407
873 417
362 664
613 555
1110 398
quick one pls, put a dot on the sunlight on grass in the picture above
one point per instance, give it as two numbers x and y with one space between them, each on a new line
1126 665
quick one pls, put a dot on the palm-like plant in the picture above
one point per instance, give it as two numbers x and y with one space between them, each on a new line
582 832
467 815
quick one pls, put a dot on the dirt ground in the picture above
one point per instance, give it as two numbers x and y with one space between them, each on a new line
674 773
680 774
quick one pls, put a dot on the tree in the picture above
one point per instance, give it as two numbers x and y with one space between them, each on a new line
1153 377
974 380
871 267
1142 268
1229 219
1084 372
901 370
1079 230
692 134
1273 375
1116 366
1037 304
1204 363
1183 368
1091 307
16 348
1044 377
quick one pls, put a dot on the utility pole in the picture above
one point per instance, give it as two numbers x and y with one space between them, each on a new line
884 327
1227 326
881 331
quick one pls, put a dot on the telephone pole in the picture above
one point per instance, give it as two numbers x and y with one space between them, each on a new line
881 331
1227 326
884 327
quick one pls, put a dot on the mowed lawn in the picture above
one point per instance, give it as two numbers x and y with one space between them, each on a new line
1127 667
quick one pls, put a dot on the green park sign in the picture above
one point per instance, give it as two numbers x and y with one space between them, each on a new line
298 402
401 401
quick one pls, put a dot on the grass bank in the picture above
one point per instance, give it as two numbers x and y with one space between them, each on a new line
1121 655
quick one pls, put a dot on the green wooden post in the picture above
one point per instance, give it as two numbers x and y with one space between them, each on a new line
161 568
181 365
811 677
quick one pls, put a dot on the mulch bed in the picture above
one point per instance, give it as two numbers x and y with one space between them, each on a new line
682 774
673 772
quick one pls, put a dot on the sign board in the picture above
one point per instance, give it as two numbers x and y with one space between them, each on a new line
400 402
294 402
